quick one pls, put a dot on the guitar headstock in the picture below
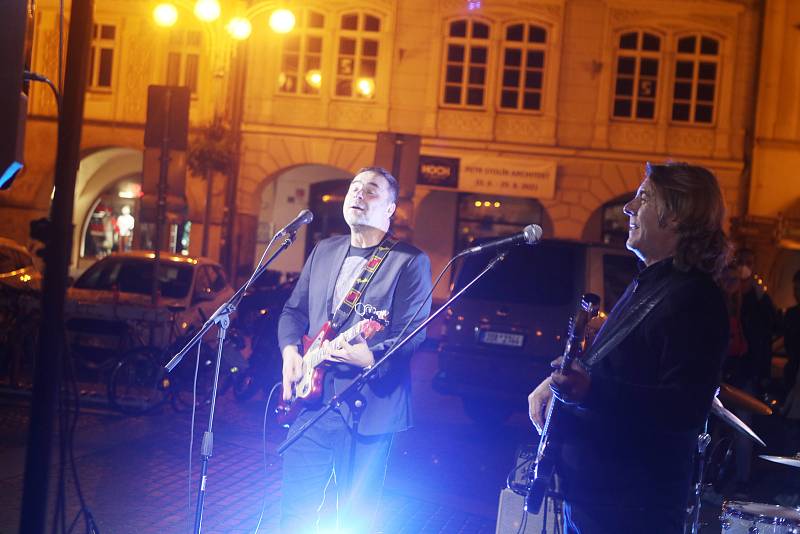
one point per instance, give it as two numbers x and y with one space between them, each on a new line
373 323
381 317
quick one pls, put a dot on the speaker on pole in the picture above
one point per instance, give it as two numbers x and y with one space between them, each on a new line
13 101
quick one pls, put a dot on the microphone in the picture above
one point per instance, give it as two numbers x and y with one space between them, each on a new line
530 235
304 217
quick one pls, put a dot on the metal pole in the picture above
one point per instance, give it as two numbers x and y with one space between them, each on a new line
239 74
57 256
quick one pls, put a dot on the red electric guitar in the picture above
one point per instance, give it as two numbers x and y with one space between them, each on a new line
309 387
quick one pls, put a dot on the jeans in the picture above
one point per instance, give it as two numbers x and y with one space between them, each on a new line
323 454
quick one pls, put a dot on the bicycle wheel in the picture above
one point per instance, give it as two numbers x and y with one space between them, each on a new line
137 384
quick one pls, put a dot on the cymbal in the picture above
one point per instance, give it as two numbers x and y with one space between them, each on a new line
738 398
723 413
794 461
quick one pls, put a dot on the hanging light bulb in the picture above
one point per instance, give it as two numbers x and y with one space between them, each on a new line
207 10
239 28
282 21
165 15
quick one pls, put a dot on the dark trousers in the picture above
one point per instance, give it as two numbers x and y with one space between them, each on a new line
604 519
323 454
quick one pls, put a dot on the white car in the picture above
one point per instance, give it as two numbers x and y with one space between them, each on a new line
110 307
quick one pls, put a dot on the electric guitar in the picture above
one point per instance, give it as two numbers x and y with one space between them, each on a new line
309 387
540 474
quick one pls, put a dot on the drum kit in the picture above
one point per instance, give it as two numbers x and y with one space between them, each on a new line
740 517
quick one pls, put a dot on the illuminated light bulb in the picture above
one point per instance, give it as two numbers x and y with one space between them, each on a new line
239 28
281 21
486 204
314 78
207 10
478 203
326 198
165 15
496 204
365 86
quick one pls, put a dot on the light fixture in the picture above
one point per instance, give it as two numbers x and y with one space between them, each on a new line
314 78
478 203
365 87
239 28
207 10
165 15
281 21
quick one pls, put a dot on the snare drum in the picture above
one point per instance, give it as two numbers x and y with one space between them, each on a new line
740 517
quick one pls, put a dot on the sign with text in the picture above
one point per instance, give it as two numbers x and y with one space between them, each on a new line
512 177
438 172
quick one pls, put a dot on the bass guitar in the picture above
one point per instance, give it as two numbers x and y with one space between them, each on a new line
309 388
540 473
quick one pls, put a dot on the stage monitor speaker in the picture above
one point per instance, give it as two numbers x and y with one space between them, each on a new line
511 516
167 116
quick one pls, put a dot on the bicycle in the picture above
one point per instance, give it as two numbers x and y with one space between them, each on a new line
140 384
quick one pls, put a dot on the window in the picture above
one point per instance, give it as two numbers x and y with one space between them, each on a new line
101 59
357 55
523 67
637 75
466 63
183 59
696 74
301 61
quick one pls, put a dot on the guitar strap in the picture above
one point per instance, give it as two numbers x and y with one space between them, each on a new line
362 281
628 320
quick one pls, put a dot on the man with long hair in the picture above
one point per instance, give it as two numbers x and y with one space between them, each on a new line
638 400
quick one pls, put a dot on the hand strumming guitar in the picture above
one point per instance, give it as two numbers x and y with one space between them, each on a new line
292 369
537 403
356 353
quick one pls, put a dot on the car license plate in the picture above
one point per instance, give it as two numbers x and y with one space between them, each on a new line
502 338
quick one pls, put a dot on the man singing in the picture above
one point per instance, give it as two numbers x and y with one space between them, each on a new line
641 397
332 449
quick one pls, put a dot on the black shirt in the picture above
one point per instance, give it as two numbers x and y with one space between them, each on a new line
632 440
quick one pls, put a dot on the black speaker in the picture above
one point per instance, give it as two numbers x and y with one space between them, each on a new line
167 116
13 101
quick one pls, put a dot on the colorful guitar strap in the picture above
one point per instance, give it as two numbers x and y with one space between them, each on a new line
362 281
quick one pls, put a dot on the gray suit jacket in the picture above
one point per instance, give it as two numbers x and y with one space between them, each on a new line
400 286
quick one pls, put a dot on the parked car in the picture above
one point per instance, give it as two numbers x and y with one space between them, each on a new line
17 268
110 308
502 334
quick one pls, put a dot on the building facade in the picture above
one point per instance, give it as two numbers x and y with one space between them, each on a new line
526 111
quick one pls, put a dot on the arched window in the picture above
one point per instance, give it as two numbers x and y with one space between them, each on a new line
301 60
466 63
183 58
357 55
638 56
696 78
524 51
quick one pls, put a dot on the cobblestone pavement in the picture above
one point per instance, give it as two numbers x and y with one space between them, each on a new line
444 476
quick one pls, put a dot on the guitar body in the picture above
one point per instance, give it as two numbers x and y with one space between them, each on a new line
308 389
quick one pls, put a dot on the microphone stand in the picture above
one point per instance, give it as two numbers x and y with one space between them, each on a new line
220 317
361 379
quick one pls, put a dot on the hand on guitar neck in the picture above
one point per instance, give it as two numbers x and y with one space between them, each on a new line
571 385
356 353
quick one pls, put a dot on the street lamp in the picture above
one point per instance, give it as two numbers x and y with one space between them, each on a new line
239 28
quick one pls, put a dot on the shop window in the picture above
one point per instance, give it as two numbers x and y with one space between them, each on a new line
301 58
113 221
358 47
696 77
636 82
101 57
466 63
522 80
